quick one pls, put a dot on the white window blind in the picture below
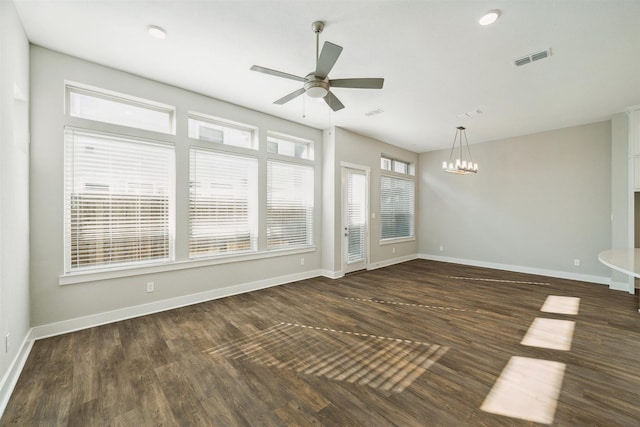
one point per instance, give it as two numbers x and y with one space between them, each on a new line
118 200
222 203
356 215
289 205
396 207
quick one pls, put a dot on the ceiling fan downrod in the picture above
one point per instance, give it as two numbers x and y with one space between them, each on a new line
317 28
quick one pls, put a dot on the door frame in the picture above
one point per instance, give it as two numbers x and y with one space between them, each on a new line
343 241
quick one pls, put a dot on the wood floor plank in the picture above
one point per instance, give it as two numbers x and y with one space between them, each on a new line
418 343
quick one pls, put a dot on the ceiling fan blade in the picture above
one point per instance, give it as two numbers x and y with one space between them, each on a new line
289 97
276 73
333 102
328 57
357 83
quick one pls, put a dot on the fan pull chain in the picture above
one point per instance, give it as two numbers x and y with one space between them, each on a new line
304 104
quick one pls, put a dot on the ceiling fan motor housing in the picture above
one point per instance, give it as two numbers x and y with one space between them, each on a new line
316 87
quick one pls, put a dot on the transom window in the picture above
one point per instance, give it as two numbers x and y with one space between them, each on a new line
289 146
111 107
216 130
398 166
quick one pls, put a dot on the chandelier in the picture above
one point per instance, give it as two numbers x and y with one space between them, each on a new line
460 166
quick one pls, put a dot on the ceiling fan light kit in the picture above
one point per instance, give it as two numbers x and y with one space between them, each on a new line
317 83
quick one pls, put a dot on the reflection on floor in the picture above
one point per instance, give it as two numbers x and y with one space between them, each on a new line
385 363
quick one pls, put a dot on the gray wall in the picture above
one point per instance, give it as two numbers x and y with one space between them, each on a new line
538 202
52 302
14 188
341 145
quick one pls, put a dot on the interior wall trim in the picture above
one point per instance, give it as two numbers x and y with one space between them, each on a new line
332 274
391 261
601 280
10 379
79 323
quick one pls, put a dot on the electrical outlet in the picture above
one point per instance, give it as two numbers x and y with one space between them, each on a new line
393 250
6 343
151 287
576 262
441 248
302 261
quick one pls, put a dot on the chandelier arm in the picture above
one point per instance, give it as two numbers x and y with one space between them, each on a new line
468 149
462 132
453 147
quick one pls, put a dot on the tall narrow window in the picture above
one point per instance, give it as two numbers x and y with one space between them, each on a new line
118 200
223 197
289 205
396 207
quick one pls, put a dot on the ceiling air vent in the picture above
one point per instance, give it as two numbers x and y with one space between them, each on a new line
532 57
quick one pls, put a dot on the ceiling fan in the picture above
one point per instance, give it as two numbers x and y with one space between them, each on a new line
317 83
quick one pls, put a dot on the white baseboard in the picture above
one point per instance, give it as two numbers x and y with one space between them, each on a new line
371 266
521 269
65 326
621 286
388 262
332 274
10 379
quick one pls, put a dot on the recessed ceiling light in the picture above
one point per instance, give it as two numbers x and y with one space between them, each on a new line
157 32
490 17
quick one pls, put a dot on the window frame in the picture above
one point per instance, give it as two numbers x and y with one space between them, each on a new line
253 216
404 177
67 213
310 243
113 96
294 140
393 165
224 123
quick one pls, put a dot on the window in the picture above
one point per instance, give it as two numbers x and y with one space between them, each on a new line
222 203
108 107
118 200
386 164
289 146
394 165
396 207
220 132
289 205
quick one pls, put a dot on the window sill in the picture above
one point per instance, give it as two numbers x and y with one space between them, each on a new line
105 274
397 240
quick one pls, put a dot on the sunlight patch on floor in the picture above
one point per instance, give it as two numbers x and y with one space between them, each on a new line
381 362
561 305
550 333
527 389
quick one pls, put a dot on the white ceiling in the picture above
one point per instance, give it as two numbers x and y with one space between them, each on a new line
436 60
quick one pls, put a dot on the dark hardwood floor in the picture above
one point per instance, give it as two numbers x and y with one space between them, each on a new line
416 344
